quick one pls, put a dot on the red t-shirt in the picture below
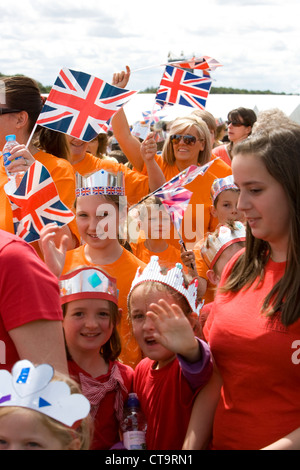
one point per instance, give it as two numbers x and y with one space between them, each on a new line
166 399
28 292
260 395
106 425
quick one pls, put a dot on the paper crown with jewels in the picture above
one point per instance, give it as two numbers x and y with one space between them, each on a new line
222 184
30 386
173 278
88 282
100 183
215 243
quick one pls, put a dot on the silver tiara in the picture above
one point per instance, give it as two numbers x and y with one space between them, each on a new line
100 182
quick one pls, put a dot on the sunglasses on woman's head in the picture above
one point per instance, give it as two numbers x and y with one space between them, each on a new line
187 139
8 111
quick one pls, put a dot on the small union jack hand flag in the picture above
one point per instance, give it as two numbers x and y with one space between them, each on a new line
36 203
185 88
175 201
81 105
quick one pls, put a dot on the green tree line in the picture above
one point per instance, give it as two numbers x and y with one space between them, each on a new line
213 91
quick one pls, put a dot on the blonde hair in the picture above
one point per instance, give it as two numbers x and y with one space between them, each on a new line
183 124
66 435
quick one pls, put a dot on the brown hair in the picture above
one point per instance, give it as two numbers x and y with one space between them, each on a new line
278 149
23 93
112 348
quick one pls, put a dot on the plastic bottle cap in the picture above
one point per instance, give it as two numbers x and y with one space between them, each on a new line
133 400
10 137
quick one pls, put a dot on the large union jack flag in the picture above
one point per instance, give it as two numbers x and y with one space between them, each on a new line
81 105
36 203
185 88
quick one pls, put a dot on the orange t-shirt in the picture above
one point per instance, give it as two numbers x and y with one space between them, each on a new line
63 176
168 258
123 270
197 219
136 184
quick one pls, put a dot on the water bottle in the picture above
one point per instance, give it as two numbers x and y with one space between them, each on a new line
134 424
10 143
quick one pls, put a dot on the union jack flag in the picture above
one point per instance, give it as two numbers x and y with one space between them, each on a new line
180 87
36 203
81 105
151 117
175 201
98 190
198 63
186 176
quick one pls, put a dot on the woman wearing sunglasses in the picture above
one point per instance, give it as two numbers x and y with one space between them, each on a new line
188 143
239 124
20 106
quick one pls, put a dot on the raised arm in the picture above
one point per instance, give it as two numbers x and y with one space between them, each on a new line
129 144
148 152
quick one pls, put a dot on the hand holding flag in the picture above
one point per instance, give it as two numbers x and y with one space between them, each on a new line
36 203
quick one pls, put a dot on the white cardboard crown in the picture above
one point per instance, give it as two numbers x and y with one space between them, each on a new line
88 282
215 243
100 183
32 387
173 278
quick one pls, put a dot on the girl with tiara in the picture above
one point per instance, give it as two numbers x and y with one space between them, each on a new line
90 306
99 215
176 363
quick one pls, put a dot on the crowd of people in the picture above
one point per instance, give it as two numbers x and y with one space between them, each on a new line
204 325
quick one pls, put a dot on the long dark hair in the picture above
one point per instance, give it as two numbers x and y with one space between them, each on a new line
23 93
279 150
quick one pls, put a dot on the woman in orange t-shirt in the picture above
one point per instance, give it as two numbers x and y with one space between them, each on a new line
254 325
21 106
188 143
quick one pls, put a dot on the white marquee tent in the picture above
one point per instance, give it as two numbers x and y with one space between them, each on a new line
218 105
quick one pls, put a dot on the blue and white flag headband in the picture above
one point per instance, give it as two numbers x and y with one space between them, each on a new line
173 278
222 184
86 283
32 387
100 183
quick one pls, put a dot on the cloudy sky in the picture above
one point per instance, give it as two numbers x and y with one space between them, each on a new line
257 41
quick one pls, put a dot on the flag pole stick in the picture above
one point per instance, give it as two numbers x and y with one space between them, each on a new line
31 135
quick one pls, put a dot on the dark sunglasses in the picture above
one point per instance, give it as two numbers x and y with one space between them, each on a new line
236 123
187 139
8 111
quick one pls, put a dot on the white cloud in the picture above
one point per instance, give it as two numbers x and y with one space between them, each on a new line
256 41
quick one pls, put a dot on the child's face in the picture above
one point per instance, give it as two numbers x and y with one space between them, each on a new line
23 430
158 223
143 327
87 325
226 207
97 220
